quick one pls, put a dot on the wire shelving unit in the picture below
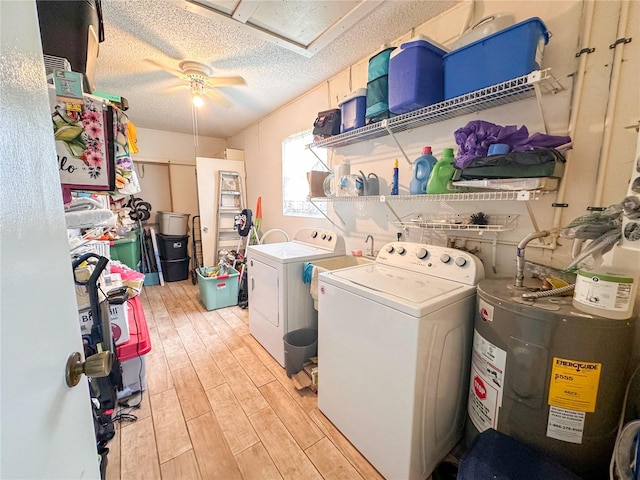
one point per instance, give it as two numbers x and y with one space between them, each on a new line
534 84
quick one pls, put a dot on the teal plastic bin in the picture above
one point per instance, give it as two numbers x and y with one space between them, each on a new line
218 292
127 250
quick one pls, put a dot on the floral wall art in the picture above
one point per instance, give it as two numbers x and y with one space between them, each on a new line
83 130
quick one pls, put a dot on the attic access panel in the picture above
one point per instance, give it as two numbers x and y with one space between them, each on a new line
305 27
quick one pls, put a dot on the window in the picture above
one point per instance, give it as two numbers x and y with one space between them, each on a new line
297 160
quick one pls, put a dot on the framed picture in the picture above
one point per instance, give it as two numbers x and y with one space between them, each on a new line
84 134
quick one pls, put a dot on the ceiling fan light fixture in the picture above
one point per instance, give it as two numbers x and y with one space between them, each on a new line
197 91
197 101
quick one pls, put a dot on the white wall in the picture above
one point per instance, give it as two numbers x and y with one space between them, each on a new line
262 141
168 147
262 144
155 185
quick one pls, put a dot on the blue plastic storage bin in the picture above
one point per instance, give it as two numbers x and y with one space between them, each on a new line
353 108
218 292
416 76
509 53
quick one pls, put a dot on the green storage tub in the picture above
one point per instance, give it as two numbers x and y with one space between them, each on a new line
127 250
216 292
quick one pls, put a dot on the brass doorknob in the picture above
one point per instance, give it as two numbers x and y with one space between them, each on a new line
97 365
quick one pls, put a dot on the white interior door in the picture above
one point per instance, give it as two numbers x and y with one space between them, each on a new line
46 427
207 173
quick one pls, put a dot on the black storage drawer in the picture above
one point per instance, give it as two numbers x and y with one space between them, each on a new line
172 247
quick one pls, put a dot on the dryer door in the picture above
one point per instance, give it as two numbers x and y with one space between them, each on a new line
264 291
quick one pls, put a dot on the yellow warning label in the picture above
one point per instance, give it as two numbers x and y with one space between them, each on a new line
574 384
74 106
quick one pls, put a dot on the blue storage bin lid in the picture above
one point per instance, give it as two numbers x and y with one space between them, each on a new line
545 34
360 92
423 43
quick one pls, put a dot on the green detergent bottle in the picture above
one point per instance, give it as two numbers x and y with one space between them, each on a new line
442 173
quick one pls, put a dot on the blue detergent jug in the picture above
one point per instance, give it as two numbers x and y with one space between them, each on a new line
422 168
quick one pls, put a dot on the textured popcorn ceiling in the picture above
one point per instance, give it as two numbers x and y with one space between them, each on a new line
167 33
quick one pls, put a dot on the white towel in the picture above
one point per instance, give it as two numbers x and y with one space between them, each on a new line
313 288
85 203
89 218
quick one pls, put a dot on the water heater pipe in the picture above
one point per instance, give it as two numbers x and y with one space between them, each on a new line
520 254
611 105
575 111
548 293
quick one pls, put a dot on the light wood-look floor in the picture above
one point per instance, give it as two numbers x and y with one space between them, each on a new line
218 405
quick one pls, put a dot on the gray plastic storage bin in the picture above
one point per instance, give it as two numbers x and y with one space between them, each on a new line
299 346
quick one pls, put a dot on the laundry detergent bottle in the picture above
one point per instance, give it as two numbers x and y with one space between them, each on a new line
422 168
441 174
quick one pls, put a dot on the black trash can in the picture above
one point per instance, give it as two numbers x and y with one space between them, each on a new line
299 346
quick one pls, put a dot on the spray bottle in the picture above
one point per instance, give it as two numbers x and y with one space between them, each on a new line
422 168
394 182
441 174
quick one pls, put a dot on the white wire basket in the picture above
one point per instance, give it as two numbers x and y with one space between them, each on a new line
461 221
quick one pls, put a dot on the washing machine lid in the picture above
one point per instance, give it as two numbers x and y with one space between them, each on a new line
286 252
414 293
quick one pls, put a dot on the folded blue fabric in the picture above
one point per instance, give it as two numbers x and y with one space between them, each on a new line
307 272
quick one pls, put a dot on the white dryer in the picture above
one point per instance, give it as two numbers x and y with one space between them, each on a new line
279 301
394 351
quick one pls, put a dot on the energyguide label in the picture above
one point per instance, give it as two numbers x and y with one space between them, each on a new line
574 384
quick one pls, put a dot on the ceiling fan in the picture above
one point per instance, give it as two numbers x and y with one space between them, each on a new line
198 77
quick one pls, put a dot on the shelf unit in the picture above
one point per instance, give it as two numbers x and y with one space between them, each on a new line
388 200
460 222
495 195
534 84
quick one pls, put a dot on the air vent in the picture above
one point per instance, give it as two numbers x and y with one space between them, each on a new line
52 63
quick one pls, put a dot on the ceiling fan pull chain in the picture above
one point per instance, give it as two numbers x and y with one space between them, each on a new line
194 121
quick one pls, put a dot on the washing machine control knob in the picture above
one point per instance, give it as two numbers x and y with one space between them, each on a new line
422 253
314 234
445 258
401 251
390 249
461 261
329 238
324 236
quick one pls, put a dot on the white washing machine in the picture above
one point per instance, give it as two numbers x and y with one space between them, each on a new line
279 301
394 351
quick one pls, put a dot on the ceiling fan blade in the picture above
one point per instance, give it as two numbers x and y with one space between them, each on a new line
166 68
226 81
172 90
218 98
